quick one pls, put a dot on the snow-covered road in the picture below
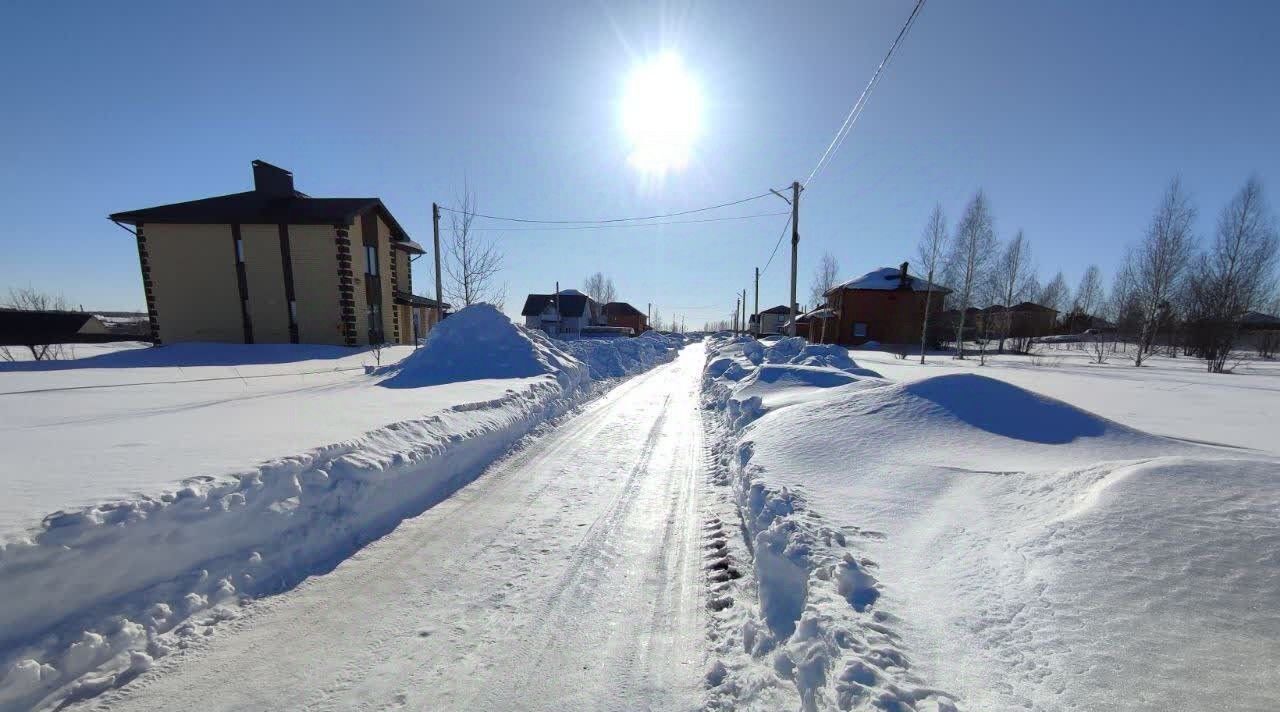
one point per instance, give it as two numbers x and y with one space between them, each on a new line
567 577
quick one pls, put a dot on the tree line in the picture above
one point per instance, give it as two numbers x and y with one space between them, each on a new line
1172 290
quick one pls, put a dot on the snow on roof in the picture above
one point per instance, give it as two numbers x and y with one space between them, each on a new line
888 278
571 292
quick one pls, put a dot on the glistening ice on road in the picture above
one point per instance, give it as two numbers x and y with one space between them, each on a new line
566 577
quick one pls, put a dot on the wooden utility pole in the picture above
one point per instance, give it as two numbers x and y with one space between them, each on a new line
559 317
435 232
795 249
757 303
736 308
746 325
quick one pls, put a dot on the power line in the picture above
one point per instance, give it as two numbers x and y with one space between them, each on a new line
610 220
778 243
611 226
856 111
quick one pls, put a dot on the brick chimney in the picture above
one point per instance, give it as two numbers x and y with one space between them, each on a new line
272 180
904 281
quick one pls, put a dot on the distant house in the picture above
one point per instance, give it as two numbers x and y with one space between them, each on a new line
621 314
1031 320
772 321
564 314
38 328
886 306
274 265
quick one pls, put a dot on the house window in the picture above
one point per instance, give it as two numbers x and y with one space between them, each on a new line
371 260
239 251
859 329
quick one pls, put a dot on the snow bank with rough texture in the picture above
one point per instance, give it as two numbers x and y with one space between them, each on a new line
623 356
1011 549
817 631
94 595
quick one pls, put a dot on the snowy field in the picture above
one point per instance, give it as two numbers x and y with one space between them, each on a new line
151 488
946 537
1174 397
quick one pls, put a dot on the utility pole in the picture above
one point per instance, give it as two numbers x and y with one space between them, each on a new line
795 248
736 307
746 325
757 309
435 232
559 318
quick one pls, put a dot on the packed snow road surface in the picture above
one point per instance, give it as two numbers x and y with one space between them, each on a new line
568 576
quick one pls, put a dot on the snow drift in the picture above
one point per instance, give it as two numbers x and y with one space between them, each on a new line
91 597
1010 549
480 342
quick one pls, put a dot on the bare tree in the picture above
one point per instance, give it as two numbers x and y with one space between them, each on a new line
824 278
971 254
1054 294
655 322
29 299
1157 263
1236 274
933 243
1014 279
1088 297
600 288
471 262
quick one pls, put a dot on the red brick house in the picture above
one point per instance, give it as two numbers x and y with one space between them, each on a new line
886 306
625 315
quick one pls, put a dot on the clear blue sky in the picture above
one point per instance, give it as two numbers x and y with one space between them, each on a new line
1073 116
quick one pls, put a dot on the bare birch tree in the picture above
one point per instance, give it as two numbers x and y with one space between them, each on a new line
1054 293
1088 297
824 278
472 263
971 254
933 244
600 288
1014 279
1157 263
1236 274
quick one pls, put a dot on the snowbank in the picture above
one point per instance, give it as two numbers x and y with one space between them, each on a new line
93 595
617 357
1010 549
480 342
817 628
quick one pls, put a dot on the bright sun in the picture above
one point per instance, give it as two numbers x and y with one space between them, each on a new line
661 114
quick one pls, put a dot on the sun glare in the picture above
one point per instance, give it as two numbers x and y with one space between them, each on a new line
661 115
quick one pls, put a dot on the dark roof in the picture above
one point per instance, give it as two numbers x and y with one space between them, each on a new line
621 309
21 328
1254 318
264 205
1031 307
571 304
777 310
417 301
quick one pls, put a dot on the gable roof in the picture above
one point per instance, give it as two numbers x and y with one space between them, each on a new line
20 327
888 279
621 309
265 204
1253 318
777 310
1031 307
570 304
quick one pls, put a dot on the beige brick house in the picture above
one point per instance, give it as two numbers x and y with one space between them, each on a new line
273 265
